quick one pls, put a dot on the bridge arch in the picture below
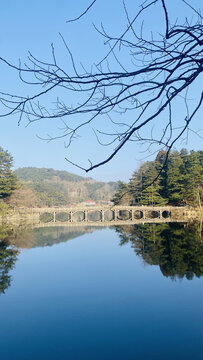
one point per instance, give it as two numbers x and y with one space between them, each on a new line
138 215
94 215
166 214
62 216
46 217
108 215
153 214
78 215
124 214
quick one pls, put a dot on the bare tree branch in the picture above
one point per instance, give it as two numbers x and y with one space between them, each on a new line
161 71
83 13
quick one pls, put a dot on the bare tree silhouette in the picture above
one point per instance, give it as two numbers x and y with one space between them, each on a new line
163 68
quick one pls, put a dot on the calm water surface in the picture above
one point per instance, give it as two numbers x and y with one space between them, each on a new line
126 293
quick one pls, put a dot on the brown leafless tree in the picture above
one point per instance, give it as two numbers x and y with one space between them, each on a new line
163 68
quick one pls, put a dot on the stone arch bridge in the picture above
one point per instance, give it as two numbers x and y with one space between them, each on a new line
104 215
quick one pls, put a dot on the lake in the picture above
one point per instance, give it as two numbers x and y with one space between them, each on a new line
127 292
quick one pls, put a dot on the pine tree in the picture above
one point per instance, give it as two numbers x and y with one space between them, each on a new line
8 180
175 179
122 195
135 187
151 194
179 181
194 178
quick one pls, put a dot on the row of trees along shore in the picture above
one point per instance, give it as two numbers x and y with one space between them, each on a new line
177 180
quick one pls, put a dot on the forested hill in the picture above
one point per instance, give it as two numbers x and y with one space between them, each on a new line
49 187
40 174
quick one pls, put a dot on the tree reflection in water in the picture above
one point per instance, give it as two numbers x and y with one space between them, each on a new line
8 257
176 248
12 239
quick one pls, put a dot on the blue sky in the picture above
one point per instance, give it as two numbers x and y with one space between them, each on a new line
33 26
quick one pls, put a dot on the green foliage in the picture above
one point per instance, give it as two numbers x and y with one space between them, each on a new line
175 178
152 189
179 183
49 195
122 194
60 188
38 175
8 180
3 208
194 178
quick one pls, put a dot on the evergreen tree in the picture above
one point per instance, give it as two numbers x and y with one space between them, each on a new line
8 180
194 178
175 178
179 181
151 194
135 186
122 195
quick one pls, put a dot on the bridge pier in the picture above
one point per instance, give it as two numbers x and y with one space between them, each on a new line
102 215
86 215
115 215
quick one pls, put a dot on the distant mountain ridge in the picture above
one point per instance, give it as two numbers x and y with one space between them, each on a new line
49 187
37 174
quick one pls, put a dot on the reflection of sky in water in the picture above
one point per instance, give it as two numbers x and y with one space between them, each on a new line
89 298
